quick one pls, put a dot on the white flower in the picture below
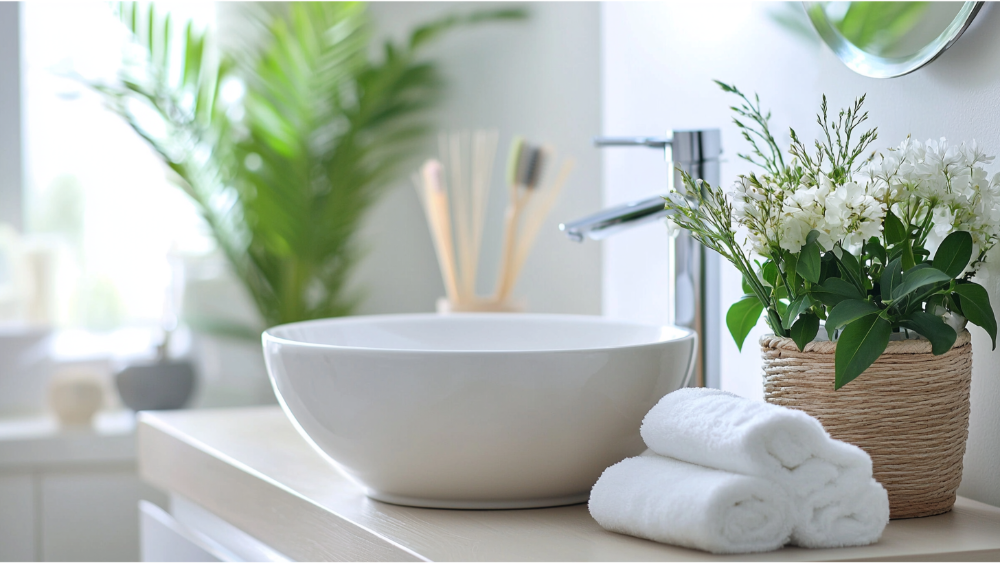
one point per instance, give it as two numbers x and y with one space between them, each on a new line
942 225
840 204
794 232
947 182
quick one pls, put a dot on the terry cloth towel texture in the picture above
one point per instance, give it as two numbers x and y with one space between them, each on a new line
684 504
830 482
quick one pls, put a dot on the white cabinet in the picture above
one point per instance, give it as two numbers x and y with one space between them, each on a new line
70 495
18 541
191 533
165 539
90 514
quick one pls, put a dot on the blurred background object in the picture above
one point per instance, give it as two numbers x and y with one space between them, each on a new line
454 192
25 365
75 396
285 143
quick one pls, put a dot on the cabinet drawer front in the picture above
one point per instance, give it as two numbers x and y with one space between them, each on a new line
162 538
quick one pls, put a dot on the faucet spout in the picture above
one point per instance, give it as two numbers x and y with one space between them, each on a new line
693 278
694 152
609 221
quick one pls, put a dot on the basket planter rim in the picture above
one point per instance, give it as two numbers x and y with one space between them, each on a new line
920 346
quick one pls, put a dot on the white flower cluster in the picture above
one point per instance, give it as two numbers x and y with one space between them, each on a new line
784 215
944 183
942 188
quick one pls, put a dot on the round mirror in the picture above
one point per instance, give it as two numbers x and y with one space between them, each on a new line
887 39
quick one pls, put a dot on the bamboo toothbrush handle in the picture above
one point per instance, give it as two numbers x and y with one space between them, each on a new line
436 199
447 255
535 217
507 266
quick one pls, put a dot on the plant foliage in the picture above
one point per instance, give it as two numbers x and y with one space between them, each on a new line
284 173
866 246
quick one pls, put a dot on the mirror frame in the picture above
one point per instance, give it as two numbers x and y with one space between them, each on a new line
875 66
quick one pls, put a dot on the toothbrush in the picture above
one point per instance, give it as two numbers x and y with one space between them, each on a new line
436 206
524 169
535 216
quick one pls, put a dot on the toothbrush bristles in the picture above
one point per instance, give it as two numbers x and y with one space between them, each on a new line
533 169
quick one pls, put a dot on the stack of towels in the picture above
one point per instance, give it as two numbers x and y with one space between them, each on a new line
729 475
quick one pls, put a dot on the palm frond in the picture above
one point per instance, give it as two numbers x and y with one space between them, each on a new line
324 129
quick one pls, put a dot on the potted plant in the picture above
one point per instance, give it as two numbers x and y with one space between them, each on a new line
864 276
284 142
315 128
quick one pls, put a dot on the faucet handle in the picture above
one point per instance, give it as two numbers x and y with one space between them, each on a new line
651 142
687 146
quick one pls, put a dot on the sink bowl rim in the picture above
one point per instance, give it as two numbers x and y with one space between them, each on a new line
668 333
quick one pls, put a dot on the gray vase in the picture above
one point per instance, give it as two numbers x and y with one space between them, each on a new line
157 386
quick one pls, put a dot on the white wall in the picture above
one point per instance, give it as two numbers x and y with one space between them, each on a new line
539 78
659 59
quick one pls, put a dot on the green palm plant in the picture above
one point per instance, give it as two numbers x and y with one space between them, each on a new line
284 174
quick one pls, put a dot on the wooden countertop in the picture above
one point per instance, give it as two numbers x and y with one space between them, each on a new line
252 469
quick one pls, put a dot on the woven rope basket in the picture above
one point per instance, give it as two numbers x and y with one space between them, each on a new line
909 411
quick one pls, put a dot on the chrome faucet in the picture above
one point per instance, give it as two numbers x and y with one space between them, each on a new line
695 271
695 152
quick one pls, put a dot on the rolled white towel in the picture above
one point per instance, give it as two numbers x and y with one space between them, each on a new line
718 429
851 511
829 481
683 504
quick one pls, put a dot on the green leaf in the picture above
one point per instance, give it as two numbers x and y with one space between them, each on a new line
953 304
847 311
895 231
769 273
918 277
909 260
747 288
801 303
781 293
834 290
851 270
874 248
954 253
974 301
431 31
892 276
791 263
742 317
828 269
808 265
805 329
861 343
933 328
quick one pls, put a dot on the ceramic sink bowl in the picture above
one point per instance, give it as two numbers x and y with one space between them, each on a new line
475 410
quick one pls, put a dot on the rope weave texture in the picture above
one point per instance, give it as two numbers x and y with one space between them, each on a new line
909 411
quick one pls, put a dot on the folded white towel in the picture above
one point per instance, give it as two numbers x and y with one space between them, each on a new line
851 511
718 429
829 481
680 503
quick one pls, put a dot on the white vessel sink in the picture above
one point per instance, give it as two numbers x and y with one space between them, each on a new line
475 410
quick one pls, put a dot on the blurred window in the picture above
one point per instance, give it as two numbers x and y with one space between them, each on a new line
96 196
